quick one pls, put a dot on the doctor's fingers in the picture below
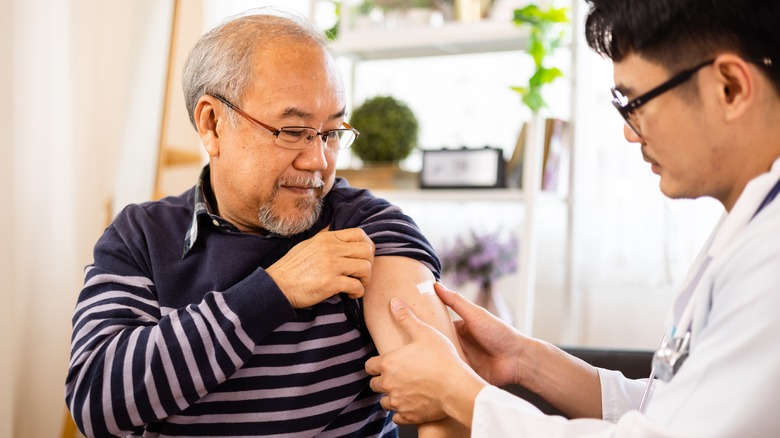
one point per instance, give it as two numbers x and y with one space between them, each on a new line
413 417
458 303
398 417
374 366
376 384
412 410
381 383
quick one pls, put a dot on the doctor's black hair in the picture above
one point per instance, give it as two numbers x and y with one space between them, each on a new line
679 33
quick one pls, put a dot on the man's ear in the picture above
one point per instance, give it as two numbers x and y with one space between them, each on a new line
209 119
736 81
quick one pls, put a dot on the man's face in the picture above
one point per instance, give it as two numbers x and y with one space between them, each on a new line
258 184
680 133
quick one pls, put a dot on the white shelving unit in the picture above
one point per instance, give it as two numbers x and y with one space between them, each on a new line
447 39
465 38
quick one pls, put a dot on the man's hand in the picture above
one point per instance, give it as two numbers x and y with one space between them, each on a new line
492 347
424 380
329 263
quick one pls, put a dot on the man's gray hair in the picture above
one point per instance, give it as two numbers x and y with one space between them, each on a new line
221 61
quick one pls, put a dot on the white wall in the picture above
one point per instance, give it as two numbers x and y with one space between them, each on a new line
7 296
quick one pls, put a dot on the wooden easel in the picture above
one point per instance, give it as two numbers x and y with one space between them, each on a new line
180 158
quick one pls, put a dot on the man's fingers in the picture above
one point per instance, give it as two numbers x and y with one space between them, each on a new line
352 235
352 244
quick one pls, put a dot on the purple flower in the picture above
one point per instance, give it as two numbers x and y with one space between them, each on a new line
483 258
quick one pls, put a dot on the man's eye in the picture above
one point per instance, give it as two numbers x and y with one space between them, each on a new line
294 133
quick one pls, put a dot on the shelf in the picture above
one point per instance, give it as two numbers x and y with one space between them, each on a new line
466 195
456 195
448 39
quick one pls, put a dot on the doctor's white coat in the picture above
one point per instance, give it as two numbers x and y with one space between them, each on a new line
730 384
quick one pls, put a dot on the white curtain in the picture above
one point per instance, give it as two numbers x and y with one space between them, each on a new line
69 77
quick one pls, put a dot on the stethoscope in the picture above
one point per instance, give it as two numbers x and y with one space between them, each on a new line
675 346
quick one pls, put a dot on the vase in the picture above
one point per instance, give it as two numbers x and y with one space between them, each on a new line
494 302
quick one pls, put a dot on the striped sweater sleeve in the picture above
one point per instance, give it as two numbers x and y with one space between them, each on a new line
393 232
134 362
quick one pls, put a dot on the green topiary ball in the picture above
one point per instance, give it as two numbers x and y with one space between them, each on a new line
388 130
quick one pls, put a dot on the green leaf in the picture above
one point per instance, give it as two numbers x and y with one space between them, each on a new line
528 14
522 90
531 14
556 15
544 76
537 51
534 101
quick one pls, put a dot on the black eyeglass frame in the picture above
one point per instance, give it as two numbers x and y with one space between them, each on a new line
304 141
626 109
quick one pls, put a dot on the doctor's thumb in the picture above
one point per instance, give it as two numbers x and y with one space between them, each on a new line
403 313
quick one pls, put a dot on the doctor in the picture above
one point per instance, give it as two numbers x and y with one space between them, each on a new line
698 84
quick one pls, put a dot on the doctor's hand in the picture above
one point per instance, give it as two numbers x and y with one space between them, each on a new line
492 347
425 380
324 265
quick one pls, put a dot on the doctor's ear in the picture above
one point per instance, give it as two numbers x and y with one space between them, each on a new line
736 84
209 118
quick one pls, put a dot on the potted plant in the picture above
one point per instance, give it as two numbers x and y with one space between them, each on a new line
388 130
388 134
544 38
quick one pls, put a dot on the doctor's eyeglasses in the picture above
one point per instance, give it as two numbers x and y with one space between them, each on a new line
301 137
627 108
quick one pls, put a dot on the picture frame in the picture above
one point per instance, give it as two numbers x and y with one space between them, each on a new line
514 168
463 168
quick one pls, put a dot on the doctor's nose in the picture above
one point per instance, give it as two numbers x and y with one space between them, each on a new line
631 135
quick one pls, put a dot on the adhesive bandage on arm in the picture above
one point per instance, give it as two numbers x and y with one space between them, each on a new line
426 288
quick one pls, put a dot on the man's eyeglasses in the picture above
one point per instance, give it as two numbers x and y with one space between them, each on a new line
627 108
300 137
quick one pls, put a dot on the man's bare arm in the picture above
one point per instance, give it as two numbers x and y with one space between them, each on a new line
394 276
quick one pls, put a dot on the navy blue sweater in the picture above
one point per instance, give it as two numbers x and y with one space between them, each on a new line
179 331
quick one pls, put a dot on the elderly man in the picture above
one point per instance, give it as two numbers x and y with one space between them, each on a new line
249 304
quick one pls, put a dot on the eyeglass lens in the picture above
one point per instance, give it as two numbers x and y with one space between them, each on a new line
335 139
629 115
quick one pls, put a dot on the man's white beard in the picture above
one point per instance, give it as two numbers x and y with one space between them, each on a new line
309 208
